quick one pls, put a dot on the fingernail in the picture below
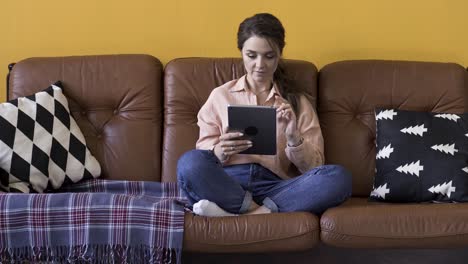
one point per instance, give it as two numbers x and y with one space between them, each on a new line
241 134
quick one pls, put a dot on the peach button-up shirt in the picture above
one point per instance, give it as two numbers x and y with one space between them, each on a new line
288 161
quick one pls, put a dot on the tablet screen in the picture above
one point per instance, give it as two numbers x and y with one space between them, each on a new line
258 124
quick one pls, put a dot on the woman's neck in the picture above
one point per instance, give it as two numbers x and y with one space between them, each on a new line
258 87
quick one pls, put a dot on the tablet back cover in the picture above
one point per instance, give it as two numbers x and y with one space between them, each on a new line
258 123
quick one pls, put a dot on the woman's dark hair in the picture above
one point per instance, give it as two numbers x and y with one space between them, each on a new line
269 27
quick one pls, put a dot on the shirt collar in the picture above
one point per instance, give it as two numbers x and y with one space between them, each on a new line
241 85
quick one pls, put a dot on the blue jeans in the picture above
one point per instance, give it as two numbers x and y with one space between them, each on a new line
202 176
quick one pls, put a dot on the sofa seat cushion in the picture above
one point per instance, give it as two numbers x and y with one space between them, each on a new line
359 223
251 233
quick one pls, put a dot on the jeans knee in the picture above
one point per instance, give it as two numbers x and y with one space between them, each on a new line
196 165
186 164
343 180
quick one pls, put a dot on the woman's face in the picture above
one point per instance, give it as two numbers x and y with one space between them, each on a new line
260 59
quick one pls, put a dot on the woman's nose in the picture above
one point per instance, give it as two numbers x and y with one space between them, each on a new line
260 62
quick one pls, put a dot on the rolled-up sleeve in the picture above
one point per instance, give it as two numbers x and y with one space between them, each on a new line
310 153
209 124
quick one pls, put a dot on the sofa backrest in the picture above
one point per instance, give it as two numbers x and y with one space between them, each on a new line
116 101
350 90
188 83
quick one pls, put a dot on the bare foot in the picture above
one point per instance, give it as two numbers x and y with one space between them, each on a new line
260 210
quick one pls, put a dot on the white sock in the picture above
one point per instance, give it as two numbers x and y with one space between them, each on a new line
207 208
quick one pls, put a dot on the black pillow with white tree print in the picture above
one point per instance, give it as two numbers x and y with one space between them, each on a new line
421 157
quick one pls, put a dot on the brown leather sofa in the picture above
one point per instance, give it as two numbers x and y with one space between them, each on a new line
138 118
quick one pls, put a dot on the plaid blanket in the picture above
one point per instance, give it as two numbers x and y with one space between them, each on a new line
97 221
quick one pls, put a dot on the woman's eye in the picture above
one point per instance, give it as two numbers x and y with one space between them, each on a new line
251 56
270 56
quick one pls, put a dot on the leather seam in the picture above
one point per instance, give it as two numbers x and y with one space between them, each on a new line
395 237
257 241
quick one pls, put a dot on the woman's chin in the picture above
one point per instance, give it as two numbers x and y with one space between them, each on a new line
261 78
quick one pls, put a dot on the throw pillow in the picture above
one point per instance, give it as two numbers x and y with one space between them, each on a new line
41 145
421 157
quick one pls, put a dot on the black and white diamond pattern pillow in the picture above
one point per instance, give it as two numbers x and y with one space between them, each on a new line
41 145
421 157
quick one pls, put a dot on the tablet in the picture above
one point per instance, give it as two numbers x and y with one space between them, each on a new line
258 124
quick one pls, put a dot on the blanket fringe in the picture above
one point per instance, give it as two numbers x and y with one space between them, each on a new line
95 254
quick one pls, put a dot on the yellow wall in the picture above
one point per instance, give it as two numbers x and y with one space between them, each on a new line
318 31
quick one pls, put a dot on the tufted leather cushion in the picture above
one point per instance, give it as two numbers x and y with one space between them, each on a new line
187 84
116 102
350 90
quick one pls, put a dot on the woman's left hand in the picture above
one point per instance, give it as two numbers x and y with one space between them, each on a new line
286 114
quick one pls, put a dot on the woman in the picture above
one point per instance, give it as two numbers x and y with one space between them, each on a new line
219 181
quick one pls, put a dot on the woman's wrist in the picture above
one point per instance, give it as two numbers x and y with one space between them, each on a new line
219 153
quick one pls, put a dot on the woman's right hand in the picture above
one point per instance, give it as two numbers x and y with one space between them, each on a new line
230 144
